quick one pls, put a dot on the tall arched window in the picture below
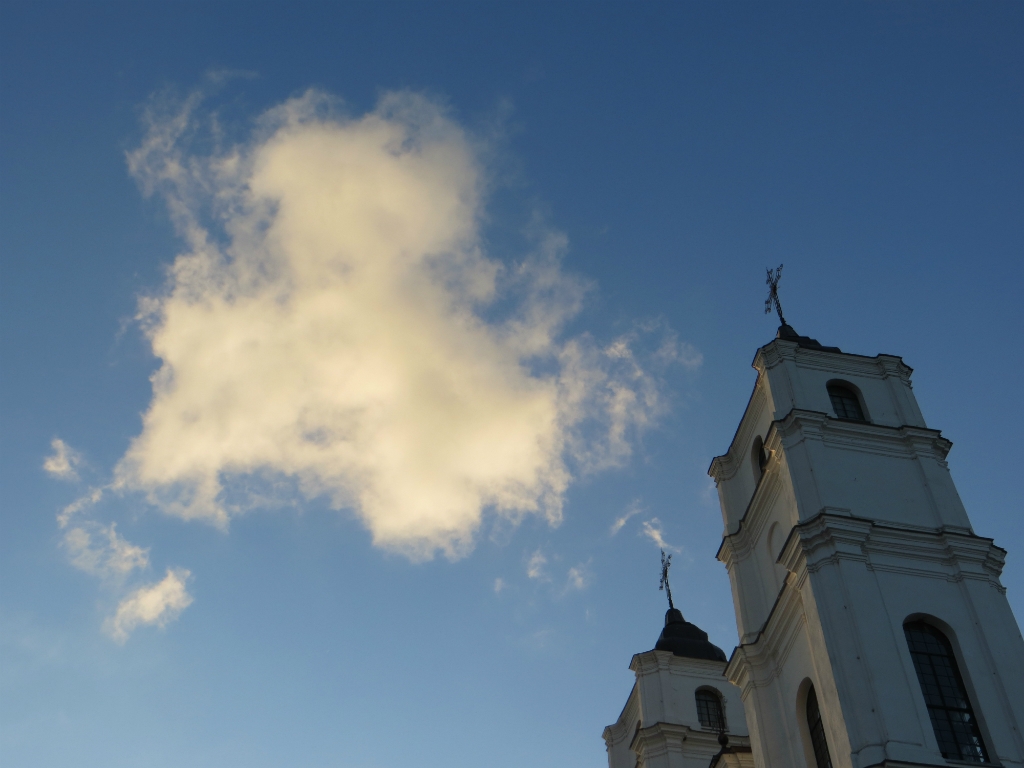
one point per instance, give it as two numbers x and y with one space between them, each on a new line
845 402
956 727
709 710
822 758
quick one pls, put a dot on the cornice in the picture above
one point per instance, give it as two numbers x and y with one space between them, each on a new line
757 663
737 544
826 537
948 553
901 442
880 366
951 555
834 535
665 738
905 441
724 467
619 730
651 662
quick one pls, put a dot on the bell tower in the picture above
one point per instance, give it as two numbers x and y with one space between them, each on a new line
682 712
874 630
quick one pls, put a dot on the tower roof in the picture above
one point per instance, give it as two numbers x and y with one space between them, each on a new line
685 639
786 333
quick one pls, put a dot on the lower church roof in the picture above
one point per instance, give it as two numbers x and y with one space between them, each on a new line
685 639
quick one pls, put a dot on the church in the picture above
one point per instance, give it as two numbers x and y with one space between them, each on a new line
873 628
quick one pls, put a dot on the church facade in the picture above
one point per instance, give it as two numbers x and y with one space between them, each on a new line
873 627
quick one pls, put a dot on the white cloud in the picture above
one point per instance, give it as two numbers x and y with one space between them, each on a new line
157 604
334 323
674 351
578 577
499 584
652 530
100 551
634 508
535 565
63 461
82 502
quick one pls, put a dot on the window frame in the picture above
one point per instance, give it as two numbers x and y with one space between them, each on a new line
946 637
719 700
816 729
758 459
854 393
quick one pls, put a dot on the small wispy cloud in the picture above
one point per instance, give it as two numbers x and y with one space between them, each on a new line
100 551
499 584
535 565
579 577
84 501
540 639
674 351
155 604
634 508
652 530
63 461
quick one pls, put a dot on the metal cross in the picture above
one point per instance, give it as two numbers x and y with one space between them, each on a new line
773 294
666 563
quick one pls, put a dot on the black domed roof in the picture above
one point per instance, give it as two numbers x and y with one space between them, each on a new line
686 639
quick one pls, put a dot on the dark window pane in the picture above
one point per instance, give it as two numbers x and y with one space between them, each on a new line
956 727
845 403
817 729
709 710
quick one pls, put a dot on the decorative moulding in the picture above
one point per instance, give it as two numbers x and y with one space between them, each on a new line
724 467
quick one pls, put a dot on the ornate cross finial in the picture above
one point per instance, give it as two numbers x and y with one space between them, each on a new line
666 563
773 294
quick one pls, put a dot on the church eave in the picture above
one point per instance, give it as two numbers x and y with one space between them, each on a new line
906 440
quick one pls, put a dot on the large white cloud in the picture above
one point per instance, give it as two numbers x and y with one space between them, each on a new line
334 327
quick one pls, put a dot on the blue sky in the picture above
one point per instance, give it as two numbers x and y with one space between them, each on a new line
574 205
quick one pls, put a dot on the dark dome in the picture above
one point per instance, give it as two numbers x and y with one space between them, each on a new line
686 639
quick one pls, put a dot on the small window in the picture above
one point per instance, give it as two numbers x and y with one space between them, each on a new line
709 710
956 727
845 403
758 457
815 725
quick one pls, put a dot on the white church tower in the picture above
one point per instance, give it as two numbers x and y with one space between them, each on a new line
874 630
682 712
873 627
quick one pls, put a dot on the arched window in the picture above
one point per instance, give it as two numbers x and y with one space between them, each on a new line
817 728
758 457
709 710
956 727
845 402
